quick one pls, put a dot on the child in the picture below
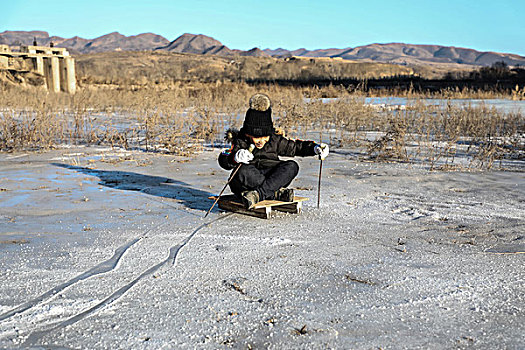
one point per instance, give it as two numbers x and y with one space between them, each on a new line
262 174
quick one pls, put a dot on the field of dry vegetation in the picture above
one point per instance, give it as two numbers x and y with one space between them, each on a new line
164 68
185 117
150 104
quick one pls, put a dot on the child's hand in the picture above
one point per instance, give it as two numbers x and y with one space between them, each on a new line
243 156
321 150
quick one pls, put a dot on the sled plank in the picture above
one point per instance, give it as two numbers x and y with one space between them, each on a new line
262 209
263 213
294 207
274 203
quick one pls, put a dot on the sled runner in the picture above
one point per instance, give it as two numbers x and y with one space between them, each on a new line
262 209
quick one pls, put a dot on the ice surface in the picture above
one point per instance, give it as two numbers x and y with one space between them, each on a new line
396 257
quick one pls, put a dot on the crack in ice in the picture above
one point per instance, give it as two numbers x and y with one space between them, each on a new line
173 252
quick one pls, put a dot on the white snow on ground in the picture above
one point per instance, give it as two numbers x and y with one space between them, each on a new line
98 254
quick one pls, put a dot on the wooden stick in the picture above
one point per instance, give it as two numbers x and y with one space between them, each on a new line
319 184
227 183
251 148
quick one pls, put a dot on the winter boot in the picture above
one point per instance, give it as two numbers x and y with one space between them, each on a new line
284 194
250 198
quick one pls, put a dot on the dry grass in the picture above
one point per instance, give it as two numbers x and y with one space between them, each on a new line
451 136
183 117
516 94
166 68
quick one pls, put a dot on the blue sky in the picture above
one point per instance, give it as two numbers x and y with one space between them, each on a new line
483 25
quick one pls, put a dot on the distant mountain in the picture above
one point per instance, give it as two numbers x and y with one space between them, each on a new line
255 52
27 38
279 53
197 44
221 51
397 53
109 42
75 44
405 54
324 53
116 41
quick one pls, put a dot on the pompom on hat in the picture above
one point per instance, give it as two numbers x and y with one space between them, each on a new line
258 121
260 102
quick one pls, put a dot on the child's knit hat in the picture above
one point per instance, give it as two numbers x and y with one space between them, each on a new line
258 120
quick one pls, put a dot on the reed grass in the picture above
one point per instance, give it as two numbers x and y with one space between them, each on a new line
515 94
184 117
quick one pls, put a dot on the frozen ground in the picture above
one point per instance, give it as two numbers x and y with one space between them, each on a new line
108 249
502 105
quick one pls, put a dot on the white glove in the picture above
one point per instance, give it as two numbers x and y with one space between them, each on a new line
321 150
243 156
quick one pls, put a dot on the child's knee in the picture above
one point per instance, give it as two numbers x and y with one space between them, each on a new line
246 171
293 166
249 175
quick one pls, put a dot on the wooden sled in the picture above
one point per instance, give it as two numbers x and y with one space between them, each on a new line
262 209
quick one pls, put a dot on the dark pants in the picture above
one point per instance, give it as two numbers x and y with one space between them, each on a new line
265 181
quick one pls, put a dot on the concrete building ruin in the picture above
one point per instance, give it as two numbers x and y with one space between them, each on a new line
54 63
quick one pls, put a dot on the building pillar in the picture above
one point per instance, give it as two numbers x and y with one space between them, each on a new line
67 75
38 64
4 62
52 73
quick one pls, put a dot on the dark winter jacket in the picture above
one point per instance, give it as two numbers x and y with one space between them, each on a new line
268 156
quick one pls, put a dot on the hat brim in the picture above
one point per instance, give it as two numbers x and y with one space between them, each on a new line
258 131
